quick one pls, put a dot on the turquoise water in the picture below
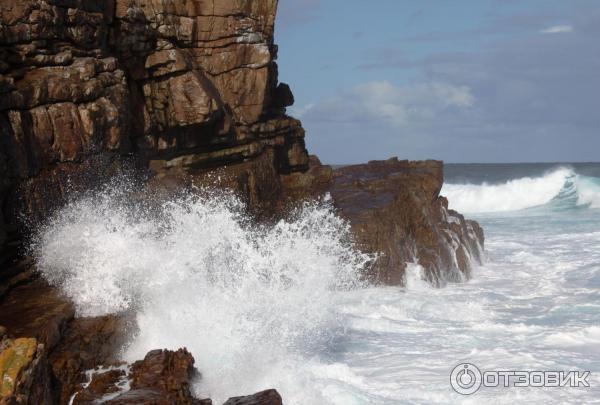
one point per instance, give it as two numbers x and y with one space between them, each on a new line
534 304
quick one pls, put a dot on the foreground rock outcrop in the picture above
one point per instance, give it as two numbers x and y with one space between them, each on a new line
23 365
397 214
49 357
396 211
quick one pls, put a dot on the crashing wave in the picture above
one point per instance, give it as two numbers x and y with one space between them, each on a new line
247 301
561 188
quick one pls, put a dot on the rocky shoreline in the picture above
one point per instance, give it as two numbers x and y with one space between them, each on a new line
181 93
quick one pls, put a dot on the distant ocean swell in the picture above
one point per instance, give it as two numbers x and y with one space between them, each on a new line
561 188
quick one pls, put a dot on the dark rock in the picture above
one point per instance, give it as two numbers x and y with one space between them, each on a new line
37 310
87 343
268 397
396 211
163 377
283 96
101 384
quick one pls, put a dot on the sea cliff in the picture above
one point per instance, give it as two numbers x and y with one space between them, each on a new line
181 93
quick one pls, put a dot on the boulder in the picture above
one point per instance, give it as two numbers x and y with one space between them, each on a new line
396 214
267 397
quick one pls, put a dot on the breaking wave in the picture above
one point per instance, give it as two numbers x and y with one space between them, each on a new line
250 303
559 189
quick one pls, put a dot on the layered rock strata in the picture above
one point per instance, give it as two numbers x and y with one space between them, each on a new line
397 214
177 85
179 92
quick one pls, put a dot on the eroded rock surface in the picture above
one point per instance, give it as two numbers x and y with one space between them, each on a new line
86 343
23 365
184 92
267 397
396 212
181 86
162 377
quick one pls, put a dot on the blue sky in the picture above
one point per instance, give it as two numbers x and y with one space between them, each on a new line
461 81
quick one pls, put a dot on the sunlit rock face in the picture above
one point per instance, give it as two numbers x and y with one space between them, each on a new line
181 93
182 86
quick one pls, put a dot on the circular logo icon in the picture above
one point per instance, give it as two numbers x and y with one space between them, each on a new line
465 378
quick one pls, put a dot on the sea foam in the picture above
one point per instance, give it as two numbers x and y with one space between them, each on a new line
252 304
562 187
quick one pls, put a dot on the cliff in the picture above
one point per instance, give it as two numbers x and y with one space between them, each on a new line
397 214
175 91
172 85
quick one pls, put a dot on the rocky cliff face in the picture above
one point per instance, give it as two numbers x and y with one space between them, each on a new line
178 91
397 214
176 85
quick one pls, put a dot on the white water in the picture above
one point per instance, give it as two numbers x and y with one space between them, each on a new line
517 194
281 307
251 304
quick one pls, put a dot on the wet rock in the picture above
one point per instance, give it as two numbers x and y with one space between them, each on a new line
268 397
396 212
23 375
86 343
163 377
36 310
101 386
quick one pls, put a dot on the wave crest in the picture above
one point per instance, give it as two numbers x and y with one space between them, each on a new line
561 188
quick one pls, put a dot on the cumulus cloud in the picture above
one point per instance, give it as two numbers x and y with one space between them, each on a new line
398 106
520 95
557 29
300 111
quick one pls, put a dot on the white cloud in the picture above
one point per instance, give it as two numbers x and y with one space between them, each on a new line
557 29
300 111
395 105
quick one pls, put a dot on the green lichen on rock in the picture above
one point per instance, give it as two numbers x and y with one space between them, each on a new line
15 357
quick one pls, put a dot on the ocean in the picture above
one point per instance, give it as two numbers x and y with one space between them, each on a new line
283 307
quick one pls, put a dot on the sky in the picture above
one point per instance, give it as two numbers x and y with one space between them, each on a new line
460 81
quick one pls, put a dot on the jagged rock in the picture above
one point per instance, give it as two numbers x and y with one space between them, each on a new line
191 84
23 376
102 384
396 211
67 347
268 397
163 377
86 344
